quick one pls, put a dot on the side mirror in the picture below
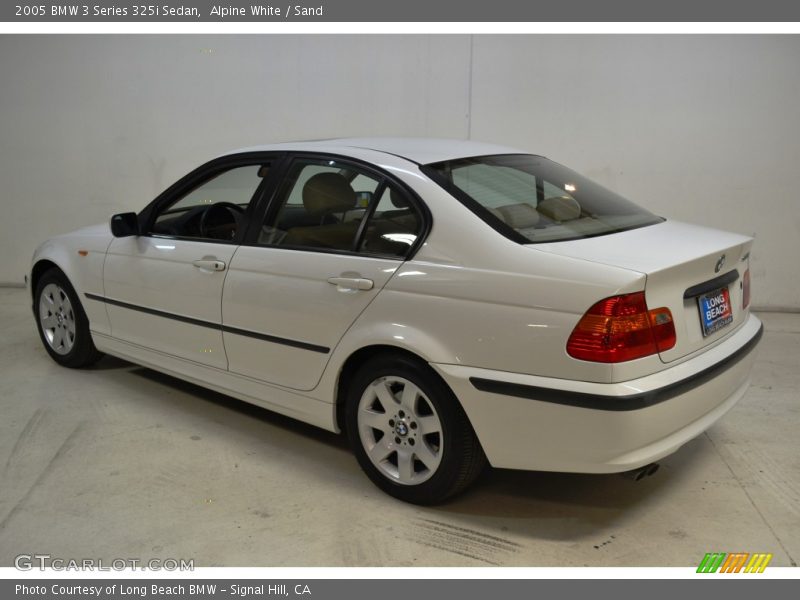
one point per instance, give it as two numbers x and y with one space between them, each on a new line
125 225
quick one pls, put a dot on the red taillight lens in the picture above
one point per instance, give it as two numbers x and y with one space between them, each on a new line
746 289
663 328
621 328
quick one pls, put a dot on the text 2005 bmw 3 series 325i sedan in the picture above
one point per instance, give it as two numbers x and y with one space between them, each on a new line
444 303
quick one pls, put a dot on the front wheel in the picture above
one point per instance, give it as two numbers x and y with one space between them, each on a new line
62 323
409 433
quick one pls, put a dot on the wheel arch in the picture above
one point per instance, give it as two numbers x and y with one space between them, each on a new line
354 362
80 351
460 455
39 268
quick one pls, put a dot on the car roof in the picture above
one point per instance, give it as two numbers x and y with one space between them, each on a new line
417 150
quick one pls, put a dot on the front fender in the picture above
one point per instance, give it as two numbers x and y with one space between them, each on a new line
80 255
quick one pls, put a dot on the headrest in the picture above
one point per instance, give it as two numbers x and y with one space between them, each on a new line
519 216
397 199
496 213
326 193
560 208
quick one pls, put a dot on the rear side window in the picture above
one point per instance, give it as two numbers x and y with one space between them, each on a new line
330 206
393 226
532 199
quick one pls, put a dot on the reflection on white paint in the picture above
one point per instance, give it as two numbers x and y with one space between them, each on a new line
165 247
634 389
410 273
407 172
536 325
403 238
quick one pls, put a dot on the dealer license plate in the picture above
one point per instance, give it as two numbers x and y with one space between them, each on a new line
715 310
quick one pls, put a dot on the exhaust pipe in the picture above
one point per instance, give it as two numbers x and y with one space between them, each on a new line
641 472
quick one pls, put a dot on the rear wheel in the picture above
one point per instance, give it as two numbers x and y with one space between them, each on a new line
62 323
409 433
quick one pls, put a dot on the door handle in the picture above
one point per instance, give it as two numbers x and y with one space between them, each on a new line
351 283
209 265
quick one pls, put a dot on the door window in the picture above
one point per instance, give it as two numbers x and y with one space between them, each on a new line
330 206
215 209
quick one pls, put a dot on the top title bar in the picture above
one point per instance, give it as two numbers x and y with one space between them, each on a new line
459 11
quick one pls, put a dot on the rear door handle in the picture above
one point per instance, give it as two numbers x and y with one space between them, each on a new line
351 283
209 265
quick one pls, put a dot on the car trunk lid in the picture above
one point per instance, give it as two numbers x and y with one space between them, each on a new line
694 271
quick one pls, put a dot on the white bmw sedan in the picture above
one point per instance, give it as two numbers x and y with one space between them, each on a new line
444 303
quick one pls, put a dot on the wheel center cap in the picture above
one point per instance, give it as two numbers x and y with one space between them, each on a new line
401 429
59 317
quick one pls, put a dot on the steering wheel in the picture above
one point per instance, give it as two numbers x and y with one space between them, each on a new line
218 217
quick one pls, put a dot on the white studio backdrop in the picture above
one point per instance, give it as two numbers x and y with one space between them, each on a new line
698 128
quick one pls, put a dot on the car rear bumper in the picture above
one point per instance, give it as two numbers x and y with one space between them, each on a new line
540 423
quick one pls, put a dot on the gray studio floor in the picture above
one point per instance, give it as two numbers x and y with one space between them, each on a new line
120 461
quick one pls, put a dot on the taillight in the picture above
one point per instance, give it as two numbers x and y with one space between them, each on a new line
746 289
621 328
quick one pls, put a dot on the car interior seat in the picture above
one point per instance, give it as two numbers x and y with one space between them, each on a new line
326 198
560 208
518 216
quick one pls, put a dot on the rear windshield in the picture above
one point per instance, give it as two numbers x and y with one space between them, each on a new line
532 199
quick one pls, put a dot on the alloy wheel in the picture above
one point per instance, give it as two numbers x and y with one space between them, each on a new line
57 318
400 430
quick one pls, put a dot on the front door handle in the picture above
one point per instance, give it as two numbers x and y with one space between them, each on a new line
351 283
209 265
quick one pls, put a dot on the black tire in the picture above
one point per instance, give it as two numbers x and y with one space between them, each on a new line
81 351
461 458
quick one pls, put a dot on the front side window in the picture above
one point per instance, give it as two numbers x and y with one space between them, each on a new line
332 206
215 209
537 200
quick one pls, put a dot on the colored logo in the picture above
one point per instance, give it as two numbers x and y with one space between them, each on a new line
737 562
